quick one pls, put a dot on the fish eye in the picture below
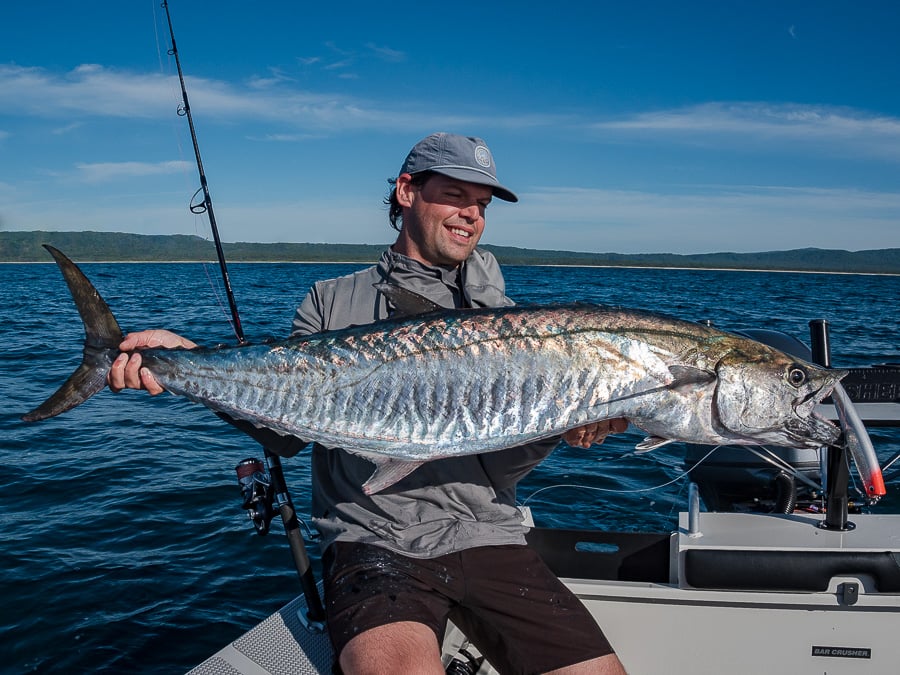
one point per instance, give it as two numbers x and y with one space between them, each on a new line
796 375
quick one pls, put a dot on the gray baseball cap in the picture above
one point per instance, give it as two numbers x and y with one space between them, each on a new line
462 157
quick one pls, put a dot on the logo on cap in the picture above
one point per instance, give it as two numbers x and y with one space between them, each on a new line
483 156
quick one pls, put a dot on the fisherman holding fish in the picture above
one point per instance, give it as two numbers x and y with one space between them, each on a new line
447 540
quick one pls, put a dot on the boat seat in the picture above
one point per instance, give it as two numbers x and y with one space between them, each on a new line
788 570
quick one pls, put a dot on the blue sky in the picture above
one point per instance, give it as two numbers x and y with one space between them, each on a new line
623 126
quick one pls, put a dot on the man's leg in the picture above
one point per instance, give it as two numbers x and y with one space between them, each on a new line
402 647
604 665
409 647
518 614
385 612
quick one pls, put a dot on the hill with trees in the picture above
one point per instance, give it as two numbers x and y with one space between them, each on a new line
124 247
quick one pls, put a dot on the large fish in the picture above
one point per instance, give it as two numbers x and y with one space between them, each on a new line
407 391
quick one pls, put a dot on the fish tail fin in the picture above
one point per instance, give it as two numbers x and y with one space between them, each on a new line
101 344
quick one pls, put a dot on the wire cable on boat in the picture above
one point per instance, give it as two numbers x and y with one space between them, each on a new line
620 491
762 453
780 463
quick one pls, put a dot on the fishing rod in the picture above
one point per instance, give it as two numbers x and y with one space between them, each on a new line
259 489
206 206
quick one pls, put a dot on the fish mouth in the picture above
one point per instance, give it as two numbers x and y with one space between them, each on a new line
811 428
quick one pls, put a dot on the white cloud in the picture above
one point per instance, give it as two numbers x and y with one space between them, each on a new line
63 130
711 218
286 138
95 91
339 65
89 89
99 172
92 90
386 53
819 128
277 76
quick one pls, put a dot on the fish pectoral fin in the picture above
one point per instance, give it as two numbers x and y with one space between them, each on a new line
387 472
690 376
651 443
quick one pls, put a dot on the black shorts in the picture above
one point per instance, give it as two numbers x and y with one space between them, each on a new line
506 600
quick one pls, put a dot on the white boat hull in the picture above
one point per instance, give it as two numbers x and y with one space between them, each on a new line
849 626
657 629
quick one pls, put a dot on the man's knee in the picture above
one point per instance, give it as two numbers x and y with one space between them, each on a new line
401 647
603 665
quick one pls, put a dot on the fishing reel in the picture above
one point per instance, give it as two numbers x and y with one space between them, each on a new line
257 493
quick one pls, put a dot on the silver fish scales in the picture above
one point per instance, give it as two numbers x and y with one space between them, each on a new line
407 391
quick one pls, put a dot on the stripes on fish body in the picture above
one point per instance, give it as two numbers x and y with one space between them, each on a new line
406 391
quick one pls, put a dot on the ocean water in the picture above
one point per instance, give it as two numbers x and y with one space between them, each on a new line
124 548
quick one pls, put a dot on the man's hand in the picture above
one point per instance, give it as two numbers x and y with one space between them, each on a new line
586 436
126 371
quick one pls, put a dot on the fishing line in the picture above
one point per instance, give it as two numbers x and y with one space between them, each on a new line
178 97
784 465
852 477
168 74
619 491
155 6
890 462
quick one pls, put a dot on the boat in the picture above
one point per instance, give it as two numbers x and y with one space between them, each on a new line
761 582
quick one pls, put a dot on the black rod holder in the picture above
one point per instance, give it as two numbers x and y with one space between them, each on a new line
837 483
821 342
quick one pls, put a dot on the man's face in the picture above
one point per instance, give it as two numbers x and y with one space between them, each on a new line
442 219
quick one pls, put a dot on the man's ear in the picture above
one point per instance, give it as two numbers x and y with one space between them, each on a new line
404 188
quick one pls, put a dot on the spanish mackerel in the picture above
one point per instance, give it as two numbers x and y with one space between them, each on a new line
406 391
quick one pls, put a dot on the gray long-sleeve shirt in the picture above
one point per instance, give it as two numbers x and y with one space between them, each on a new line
446 505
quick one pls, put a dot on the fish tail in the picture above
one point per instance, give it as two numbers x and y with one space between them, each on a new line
101 344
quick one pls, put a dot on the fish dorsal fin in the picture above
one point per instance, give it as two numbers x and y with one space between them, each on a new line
651 443
407 303
690 376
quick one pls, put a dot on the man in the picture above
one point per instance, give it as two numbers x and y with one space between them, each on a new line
448 537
